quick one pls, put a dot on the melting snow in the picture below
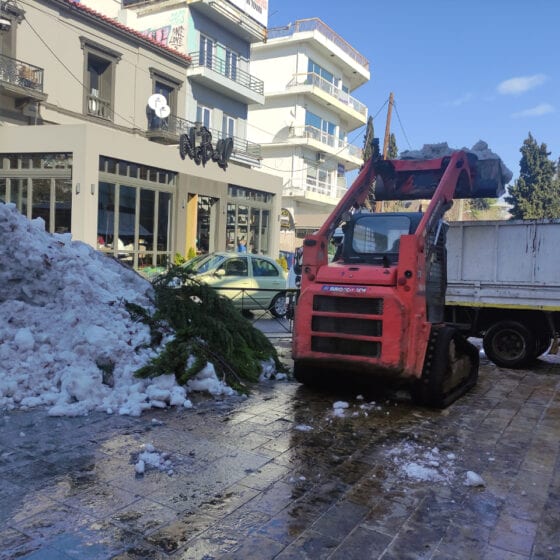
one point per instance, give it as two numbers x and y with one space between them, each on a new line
67 341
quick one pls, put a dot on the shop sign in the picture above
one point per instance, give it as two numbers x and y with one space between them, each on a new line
197 144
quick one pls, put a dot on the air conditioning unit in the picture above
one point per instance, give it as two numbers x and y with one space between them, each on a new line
320 157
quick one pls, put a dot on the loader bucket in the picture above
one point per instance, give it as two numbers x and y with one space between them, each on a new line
419 179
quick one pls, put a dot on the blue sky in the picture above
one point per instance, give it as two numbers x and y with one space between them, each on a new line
460 71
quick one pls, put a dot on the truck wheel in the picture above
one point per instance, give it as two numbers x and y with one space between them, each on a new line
450 369
279 306
509 344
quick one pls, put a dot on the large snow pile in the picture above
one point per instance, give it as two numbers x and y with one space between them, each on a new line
66 339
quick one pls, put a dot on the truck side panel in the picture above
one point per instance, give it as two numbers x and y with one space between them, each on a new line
509 264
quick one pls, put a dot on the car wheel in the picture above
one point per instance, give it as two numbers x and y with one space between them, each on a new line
279 306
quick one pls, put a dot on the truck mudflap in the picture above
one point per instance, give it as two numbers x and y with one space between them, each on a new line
450 368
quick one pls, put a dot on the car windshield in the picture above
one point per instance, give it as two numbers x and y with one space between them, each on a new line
204 263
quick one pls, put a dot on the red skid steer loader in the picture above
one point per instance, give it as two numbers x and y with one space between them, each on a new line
377 310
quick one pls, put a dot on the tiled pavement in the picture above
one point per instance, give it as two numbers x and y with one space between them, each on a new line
276 475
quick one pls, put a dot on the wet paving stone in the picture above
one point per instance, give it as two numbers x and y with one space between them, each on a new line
278 476
176 534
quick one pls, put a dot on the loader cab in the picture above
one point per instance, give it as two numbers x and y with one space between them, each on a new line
374 238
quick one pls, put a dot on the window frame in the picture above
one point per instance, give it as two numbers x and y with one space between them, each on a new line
169 81
204 109
112 58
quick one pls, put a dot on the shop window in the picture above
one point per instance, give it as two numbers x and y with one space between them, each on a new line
248 215
206 224
46 191
63 205
134 215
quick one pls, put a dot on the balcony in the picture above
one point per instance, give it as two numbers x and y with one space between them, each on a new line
98 107
230 17
21 80
314 190
168 130
320 141
331 96
315 30
227 78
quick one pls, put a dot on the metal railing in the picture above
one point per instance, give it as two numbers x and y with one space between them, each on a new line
245 299
313 79
22 74
313 133
226 68
315 24
176 126
314 186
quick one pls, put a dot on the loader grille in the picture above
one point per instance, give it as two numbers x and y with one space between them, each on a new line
345 325
345 346
361 306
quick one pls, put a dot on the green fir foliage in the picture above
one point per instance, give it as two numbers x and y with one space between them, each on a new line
208 328
536 194
392 149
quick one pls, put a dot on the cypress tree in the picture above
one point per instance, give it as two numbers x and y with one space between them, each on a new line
536 194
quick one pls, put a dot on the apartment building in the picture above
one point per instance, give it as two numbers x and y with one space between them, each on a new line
305 126
84 146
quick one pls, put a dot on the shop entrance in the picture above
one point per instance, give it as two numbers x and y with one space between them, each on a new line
206 224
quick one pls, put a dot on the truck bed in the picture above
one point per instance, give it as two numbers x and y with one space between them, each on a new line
504 264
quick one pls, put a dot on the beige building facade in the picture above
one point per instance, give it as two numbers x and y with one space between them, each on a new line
78 147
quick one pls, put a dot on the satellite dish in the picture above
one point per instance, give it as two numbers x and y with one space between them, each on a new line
156 100
162 111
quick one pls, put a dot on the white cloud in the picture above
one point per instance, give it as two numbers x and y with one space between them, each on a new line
536 111
465 98
521 84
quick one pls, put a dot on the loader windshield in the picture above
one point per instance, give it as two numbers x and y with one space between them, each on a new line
378 234
376 237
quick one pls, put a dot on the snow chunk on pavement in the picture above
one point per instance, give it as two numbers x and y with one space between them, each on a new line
422 464
420 472
474 479
207 380
151 458
303 428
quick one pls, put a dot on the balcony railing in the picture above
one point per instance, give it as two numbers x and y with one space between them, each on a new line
315 24
98 107
312 79
228 69
175 126
21 74
313 133
313 186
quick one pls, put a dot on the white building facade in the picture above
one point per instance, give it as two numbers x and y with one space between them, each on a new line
309 74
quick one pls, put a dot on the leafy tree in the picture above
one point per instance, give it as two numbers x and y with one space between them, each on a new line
536 194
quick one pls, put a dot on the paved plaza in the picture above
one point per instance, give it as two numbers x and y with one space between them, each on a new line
285 475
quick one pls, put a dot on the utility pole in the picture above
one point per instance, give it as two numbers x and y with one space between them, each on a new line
388 126
380 206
